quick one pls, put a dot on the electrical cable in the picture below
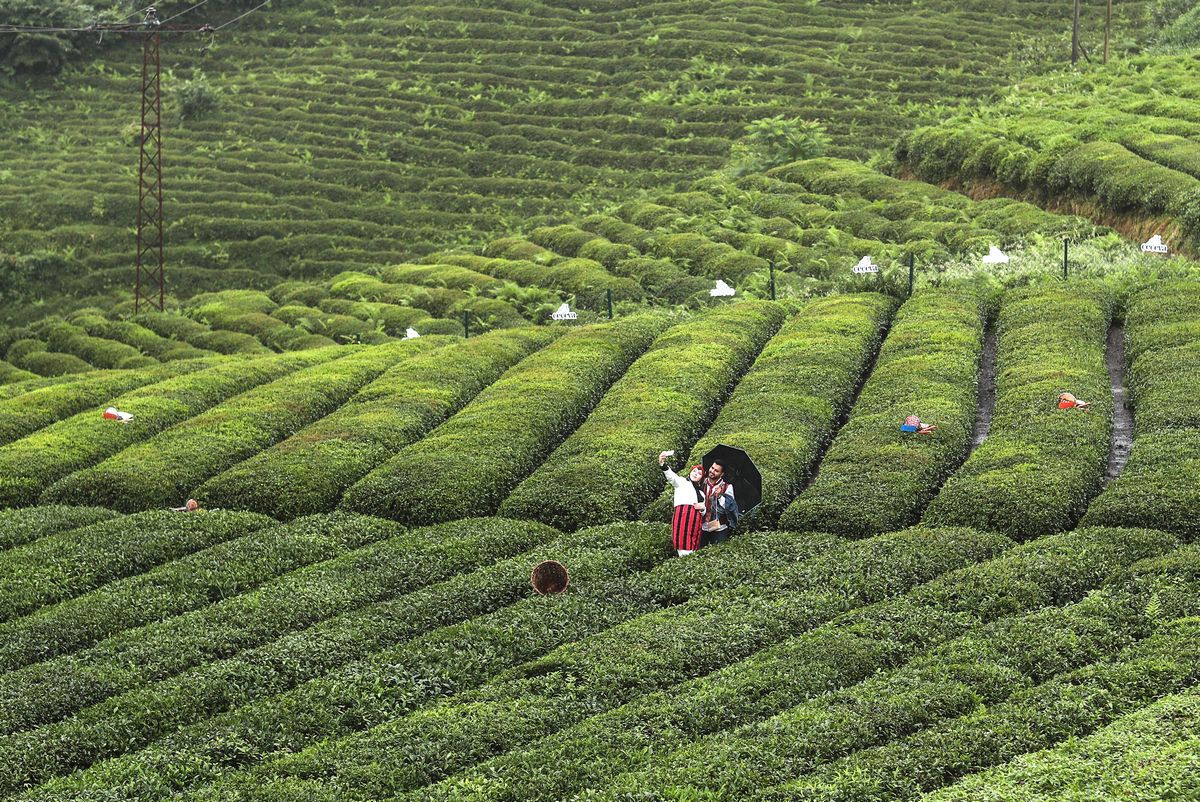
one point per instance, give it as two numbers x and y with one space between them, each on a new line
181 13
248 13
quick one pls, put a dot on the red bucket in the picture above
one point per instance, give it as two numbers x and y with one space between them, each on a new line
550 577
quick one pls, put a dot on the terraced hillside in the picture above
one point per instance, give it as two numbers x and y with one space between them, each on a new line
1115 143
318 652
810 221
352 135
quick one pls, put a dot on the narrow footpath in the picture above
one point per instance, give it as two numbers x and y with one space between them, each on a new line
1122 430
986 393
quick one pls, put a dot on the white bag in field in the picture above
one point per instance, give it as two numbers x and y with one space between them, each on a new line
112 413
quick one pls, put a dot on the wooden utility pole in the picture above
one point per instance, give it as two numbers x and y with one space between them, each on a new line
1075 34
1107 26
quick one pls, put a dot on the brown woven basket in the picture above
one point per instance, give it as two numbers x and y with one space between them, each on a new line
550 577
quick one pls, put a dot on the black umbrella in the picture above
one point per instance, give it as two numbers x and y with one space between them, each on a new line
741 471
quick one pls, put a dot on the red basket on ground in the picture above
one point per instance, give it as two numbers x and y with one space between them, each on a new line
550 577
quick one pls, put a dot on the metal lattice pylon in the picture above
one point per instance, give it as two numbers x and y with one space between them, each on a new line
150 290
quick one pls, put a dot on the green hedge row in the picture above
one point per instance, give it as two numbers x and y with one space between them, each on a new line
34 410
143 339
96 351
992 668
467 466
10 373
784 410
333 674
63 565
309 471
587 280
607 470
165 469
994 730
875 478
643 734
29 465
1148 753
650 653
54 363
27 524
178 327
1159 484
1040 465
227 569
264 619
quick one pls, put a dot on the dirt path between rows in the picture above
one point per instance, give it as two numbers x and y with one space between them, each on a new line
986 394
1122 431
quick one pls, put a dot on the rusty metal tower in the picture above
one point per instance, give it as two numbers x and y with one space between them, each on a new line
150 285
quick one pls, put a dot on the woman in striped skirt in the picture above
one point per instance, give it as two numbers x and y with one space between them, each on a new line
688 517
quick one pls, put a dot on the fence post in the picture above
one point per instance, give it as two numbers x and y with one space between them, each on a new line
1065 245
772 265
912 269
466 324
610 312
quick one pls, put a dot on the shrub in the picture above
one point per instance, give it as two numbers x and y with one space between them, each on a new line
645 735
29 465
472 461
1143 753
18 527
719 625
31 411
50 363
165 469
295 610
1040 465
606 470
65 564
328 697
874 478
310 471
784 409
10 374
1158 484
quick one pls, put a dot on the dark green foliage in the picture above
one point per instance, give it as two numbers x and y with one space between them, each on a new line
874 477
1040 465
165 469
30 465
784 409
309 471
469 464
67 563
405 642
607 470
18 527
1159 484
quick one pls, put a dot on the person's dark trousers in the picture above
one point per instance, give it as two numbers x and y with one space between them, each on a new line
719 536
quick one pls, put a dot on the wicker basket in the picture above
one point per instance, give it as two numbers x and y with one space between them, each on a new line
550 577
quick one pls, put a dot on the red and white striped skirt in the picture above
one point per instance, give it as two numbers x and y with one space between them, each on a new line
686 527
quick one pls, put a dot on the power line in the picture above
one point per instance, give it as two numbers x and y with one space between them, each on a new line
88 29
181 13
248 13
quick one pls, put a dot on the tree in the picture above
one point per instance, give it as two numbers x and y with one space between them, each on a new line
773 141
41 52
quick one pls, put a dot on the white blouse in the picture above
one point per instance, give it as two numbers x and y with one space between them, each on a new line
686 493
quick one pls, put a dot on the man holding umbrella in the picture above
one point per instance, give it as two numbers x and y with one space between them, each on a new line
731 479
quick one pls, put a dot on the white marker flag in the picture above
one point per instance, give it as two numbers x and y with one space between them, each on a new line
1155 245
866 266
564 313
722 290
995 256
